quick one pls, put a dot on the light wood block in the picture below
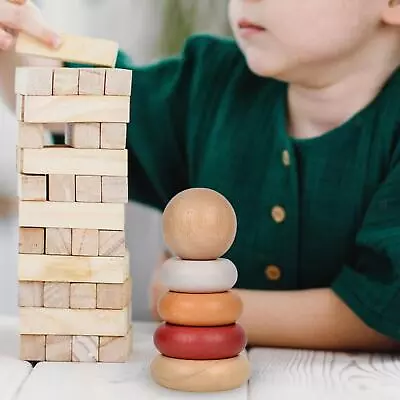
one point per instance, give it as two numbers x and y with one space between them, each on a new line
63 109
114 189
32 347
112 243
32 187
85 50
85 348
65 81
30 294
106 216
47 268
113 135
88 189
91 81
35 81
114 296
85 242
118 82
56 294
30 135
58 348
84 135
115 349
58 241
83 295
61 187
19 106
57 321
31 240
61 161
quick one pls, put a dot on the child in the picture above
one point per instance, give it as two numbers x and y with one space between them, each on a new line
297 123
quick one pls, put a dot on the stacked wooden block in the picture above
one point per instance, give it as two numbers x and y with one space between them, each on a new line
74 282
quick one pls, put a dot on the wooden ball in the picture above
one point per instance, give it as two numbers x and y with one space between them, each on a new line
199 224
200 376
192 276
211 309
200 343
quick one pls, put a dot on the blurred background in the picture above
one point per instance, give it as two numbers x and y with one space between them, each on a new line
147 30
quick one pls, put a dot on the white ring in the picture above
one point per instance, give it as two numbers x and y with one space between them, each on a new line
193 276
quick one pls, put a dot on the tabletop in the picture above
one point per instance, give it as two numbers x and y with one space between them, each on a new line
277 374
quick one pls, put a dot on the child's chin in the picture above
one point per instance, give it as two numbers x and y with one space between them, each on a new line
262 66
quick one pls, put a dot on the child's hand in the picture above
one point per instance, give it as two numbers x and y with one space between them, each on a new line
25 18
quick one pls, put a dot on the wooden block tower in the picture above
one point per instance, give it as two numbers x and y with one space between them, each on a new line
73 272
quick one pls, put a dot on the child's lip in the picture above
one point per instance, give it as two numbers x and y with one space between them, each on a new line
249 25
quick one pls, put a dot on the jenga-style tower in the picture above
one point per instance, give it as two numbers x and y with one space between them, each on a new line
73 272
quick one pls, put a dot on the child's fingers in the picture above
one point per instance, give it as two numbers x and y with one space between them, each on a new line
6 40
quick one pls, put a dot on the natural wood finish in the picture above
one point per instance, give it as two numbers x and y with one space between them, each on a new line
32 347
85 242
114 189
65 81
59 348
113 135
88 189
118 82
72 215
31 240
83 295
60 160
30 135
84 135
61 187
73 268
56 294
35 81
32 187
85 348
91 81
30 294
200 376
79 49
19 107
115 349
58 241
112 243
57 321
63 109
114 296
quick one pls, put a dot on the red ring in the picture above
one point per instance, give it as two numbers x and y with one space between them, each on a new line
200 343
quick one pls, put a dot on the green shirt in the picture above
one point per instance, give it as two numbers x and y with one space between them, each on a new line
204 120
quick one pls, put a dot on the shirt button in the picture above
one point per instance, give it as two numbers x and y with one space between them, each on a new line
286 158
273 273
278 214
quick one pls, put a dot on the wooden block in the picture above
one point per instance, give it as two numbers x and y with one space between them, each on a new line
106 216
60 160
30 135
65 81
31 240
88 189
58 321
114 296
79 49
32 187
85 348
61 187
91 81
83 295
84 135
58 241
73 268
30 294
115 349
35 81
19 107
32 347
118 82
85 242
63 109
113 135
58 348
112 243
114 189
56 294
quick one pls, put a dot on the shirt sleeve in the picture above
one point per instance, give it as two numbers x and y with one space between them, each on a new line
370 286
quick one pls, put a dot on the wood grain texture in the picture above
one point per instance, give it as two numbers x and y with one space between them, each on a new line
32 187
58 241
56 294
65 81
84 135
32 347
114 189
113 135
91 81
118 82
30 135
61 187
88 189
36 81
31 240
30 294
58 348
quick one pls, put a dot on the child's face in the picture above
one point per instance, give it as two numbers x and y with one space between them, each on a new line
299 37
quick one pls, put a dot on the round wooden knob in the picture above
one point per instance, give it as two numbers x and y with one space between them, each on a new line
200 343
200 376
199 224
190 276
212 309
